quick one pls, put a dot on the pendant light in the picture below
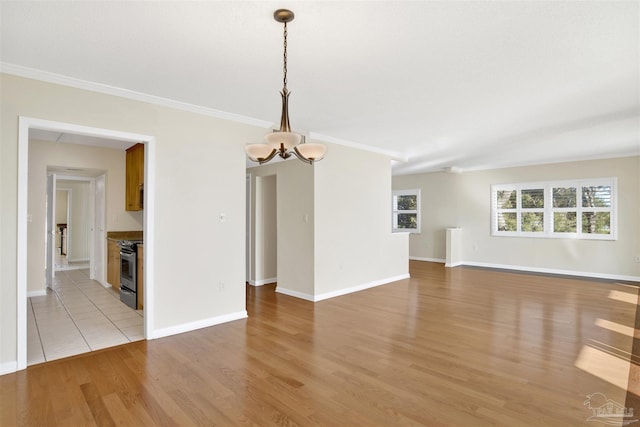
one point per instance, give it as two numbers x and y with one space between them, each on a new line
283 142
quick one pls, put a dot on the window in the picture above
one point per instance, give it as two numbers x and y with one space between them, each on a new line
406 211
583 209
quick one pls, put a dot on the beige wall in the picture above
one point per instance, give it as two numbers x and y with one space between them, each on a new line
62 198
354 245
294 193
200 173
463 200
334 224
80 224
266 231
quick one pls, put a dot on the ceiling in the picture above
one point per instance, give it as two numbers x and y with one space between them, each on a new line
441 85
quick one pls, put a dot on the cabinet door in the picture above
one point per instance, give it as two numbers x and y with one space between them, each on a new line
113 264
140 261
134 177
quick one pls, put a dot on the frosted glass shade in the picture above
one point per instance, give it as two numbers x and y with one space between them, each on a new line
288 139
312 151
258 151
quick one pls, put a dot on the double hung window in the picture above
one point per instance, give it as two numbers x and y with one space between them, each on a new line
406 211
584 209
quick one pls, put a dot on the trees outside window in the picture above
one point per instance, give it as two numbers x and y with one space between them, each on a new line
406 211
583 209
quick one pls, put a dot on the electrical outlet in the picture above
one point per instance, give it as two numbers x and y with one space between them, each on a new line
637 258
221 286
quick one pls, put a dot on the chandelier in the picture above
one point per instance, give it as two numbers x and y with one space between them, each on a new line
283 142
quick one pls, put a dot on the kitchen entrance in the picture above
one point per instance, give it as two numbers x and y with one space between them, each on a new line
71 289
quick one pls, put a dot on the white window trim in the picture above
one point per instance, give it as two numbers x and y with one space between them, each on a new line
549 209
394 211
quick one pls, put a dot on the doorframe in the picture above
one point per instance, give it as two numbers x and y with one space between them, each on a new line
91 214
248 229
68 219
24 125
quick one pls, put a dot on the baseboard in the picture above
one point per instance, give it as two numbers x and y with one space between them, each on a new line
340 292
263 281
358 288
105 284
453 264
37 293
415 258
293 293
8 367
199 324
553 271
533 269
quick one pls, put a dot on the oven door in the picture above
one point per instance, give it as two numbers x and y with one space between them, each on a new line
128 270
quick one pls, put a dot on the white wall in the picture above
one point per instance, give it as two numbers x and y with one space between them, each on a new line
200 173
463 200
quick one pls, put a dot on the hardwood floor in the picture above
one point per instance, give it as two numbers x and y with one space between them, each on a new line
448 347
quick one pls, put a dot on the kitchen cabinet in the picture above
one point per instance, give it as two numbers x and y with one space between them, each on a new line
113 263
140 262
134 197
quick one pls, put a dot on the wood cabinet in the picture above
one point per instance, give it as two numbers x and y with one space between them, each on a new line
140 261
134 198
113 263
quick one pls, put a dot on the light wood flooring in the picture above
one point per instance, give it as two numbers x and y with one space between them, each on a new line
448 347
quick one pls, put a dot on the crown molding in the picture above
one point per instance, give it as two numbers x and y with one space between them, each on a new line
393 154
46 76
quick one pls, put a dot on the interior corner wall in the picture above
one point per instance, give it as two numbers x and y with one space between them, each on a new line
464 200
295 219
354 245
200 174
266 230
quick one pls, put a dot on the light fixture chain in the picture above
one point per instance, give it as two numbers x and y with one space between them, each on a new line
284 68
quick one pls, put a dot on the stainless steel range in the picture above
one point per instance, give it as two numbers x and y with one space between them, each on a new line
129 272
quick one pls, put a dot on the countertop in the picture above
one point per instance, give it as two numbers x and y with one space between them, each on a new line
124 235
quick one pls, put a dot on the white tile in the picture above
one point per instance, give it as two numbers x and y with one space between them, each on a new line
98 343
34 355
126 323
78 317
89 314
132 332
127 314
60 354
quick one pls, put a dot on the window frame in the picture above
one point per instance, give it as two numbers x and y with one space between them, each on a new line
549 211
395 211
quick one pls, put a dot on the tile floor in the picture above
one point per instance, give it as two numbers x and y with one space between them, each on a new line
77 316
62 263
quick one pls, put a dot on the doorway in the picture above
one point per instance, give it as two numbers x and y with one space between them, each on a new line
26 127
74 223
265 235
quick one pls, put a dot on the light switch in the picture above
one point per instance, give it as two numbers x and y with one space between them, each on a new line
223 217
